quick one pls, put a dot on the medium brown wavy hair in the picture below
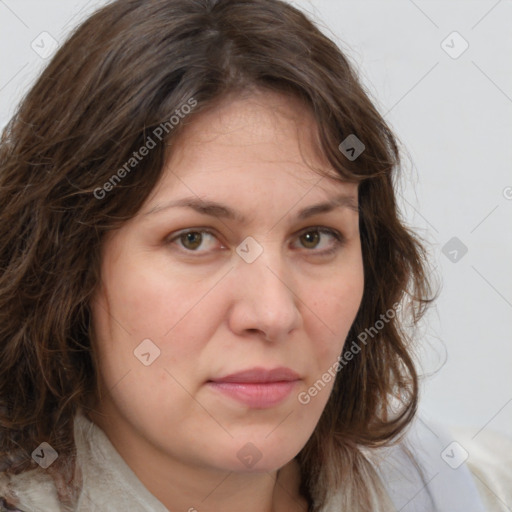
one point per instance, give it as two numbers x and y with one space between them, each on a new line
122 73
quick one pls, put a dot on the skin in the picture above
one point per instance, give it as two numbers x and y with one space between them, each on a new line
211 313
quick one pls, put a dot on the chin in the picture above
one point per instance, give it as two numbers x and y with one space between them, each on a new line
257 456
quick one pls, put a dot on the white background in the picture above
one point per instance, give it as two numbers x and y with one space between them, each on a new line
454 117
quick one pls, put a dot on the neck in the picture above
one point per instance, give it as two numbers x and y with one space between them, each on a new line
189 488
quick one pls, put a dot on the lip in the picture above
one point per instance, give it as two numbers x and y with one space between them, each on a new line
258 388
260 375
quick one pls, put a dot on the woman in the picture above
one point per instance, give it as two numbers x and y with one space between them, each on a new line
205 279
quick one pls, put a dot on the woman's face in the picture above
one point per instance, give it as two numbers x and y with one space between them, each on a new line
264 288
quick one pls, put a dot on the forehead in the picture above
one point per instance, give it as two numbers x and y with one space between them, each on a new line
265 135
281 124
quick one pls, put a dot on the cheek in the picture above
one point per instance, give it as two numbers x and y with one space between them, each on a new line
175 312
333 311
146 300
336 304
131 313
330 319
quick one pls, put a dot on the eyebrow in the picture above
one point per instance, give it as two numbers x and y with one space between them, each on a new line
214 209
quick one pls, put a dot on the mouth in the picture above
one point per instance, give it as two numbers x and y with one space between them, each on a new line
258 388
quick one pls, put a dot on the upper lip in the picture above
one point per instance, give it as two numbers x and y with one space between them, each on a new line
259 374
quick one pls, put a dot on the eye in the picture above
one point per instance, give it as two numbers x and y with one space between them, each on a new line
312 236
192 239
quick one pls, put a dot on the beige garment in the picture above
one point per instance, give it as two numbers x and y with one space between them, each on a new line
490 462
111 486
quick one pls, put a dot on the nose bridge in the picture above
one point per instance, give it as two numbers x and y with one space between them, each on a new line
265 299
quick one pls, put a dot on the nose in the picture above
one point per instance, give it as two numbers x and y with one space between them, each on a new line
264 299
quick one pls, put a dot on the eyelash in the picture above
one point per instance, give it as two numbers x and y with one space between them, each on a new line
338 237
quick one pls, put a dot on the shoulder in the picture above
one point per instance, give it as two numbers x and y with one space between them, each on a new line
489 458
442 468
28 491
5 506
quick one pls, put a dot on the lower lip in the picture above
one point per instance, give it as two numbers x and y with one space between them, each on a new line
256 394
